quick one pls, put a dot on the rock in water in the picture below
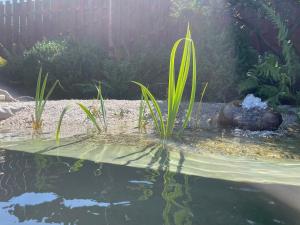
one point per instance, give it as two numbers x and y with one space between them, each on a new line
254 119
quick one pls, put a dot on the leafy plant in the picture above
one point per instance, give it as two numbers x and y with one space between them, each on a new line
273 78
268 80
175 89
41 100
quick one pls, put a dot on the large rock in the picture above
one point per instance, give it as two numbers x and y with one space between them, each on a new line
254 119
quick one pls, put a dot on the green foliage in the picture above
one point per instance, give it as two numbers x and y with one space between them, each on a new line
175 89
288 51
117 76
3 62
74 64
41 100
273 78
268 80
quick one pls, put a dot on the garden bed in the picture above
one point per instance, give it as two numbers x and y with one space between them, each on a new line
122 118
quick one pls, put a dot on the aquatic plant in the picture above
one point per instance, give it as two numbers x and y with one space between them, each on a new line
57 137
175 89
41 100
102 110
198 113
91 115
142 120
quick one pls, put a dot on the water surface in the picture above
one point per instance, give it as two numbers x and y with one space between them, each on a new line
39 189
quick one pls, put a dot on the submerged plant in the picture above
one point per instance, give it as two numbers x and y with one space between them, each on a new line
41 100
175 89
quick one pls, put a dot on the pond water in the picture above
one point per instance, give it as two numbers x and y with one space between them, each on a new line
40 189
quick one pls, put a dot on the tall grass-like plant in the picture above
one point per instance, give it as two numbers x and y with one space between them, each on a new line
41 100
102 109
90 116
87 112
199 110
175 89
142 120
57 136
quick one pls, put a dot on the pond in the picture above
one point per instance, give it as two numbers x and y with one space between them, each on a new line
40 189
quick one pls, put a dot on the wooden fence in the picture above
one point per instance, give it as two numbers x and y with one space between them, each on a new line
110 22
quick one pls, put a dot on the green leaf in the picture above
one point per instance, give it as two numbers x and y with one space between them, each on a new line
90 116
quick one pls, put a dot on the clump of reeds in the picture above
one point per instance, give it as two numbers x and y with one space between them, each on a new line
41 100
92 114
198 113
175 89
142 122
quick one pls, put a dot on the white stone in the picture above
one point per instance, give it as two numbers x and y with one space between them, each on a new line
251 102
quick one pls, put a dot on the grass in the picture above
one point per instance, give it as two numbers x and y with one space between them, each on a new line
175 89
41 100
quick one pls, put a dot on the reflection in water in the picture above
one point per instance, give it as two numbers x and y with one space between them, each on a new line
36 189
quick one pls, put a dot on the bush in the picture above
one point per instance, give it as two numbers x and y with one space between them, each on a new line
78 66
75 64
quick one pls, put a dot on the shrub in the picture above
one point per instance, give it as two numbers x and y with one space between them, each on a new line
74 64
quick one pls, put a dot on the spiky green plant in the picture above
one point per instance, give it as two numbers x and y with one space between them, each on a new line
57 137
102 109
142 120
198 113
175 89
90 116
41 100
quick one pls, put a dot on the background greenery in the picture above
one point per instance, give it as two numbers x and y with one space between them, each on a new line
235 56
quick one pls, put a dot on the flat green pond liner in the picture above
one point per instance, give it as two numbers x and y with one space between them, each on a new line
37 189
154 155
